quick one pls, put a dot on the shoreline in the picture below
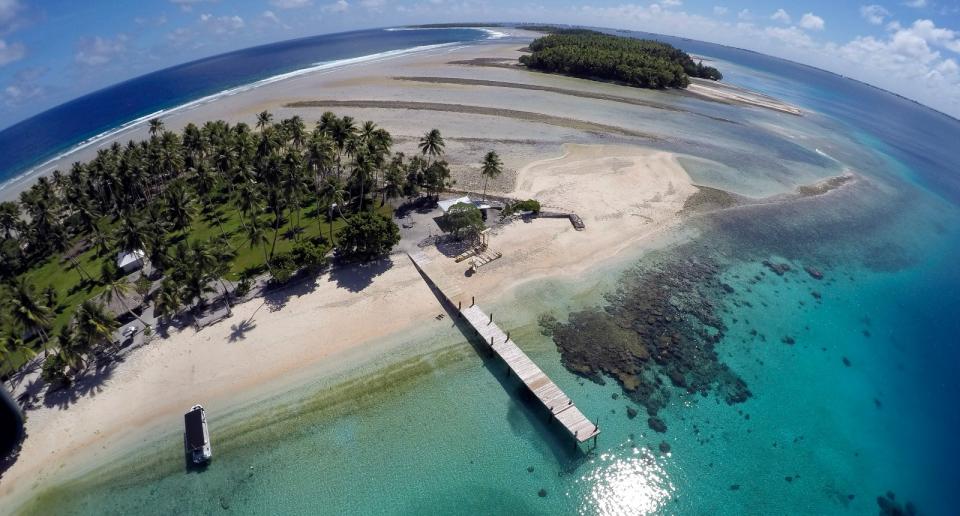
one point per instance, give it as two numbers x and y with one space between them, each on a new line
319 329
229 381
11 188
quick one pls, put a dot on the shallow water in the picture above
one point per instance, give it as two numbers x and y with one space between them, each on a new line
447 432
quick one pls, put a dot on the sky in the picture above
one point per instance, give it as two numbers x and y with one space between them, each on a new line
52 51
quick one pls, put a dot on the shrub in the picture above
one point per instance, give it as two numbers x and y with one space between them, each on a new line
531 205
310 255
367 235
243 287
282 267
463 218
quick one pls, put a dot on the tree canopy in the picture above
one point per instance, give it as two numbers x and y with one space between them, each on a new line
464 218
638 62
368 235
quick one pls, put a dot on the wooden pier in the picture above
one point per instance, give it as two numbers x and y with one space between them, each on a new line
557 403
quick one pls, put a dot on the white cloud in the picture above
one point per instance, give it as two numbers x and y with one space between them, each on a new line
10 53
8 11
269 19
671 3
745 14
811 21
373 5
337 7
916 3
719 10
187 5
291 4
25 86
98 50
781 16
874 14
222 24
934 35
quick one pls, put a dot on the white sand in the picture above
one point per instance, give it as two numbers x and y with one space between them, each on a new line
623 194
627 196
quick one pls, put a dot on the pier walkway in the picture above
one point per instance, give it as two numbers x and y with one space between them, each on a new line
560 406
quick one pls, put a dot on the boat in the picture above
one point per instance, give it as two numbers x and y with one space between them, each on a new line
196 435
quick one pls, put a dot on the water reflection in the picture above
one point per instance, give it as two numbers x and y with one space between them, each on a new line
626 484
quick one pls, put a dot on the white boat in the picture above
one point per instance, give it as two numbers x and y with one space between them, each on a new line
196 436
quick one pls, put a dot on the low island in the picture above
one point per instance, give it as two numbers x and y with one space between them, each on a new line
636 62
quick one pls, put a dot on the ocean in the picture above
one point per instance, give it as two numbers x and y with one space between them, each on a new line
32 142
854 377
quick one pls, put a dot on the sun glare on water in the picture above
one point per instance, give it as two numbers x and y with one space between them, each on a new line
627 485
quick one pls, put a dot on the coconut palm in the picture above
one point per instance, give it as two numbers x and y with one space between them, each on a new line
93 324
256 236
394 178
223 256
179 206
9 217
491 168
156 126
334 192
118 288
264 120
28 312
432 144
168 301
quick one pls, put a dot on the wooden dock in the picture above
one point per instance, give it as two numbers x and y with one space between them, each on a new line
557 403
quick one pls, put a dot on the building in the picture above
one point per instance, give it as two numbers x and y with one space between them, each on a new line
129 261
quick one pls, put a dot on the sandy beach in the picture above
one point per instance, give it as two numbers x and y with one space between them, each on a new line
574 145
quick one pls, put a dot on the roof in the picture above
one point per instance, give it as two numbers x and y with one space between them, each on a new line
447 204
125 258
193 421
131 300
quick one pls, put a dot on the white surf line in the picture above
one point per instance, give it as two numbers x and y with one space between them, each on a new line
318 68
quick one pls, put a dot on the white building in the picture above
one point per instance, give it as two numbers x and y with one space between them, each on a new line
130 261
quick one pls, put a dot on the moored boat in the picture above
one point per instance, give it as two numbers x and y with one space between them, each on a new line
196 435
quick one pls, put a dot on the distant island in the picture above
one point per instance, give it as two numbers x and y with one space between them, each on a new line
594 55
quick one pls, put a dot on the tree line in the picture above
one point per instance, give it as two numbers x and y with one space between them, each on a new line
198 203
638 62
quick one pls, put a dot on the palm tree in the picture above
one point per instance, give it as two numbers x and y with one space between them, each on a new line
156 126
334 192
264 119
93 324
394 178
179 209
118 288
9 217
257 236
168 301
130 234
432 144
28 312
247 201
343 132
70 350
223 256
490 169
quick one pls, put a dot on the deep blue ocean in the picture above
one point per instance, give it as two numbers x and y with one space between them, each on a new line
861 401
39 138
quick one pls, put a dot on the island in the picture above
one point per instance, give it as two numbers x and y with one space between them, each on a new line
590 54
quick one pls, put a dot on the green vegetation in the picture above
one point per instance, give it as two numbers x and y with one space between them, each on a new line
463 219
209 206
531 205
637 62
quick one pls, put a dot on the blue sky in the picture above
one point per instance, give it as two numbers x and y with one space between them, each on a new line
54 50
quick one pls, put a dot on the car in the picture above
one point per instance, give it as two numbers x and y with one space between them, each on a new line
130 331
